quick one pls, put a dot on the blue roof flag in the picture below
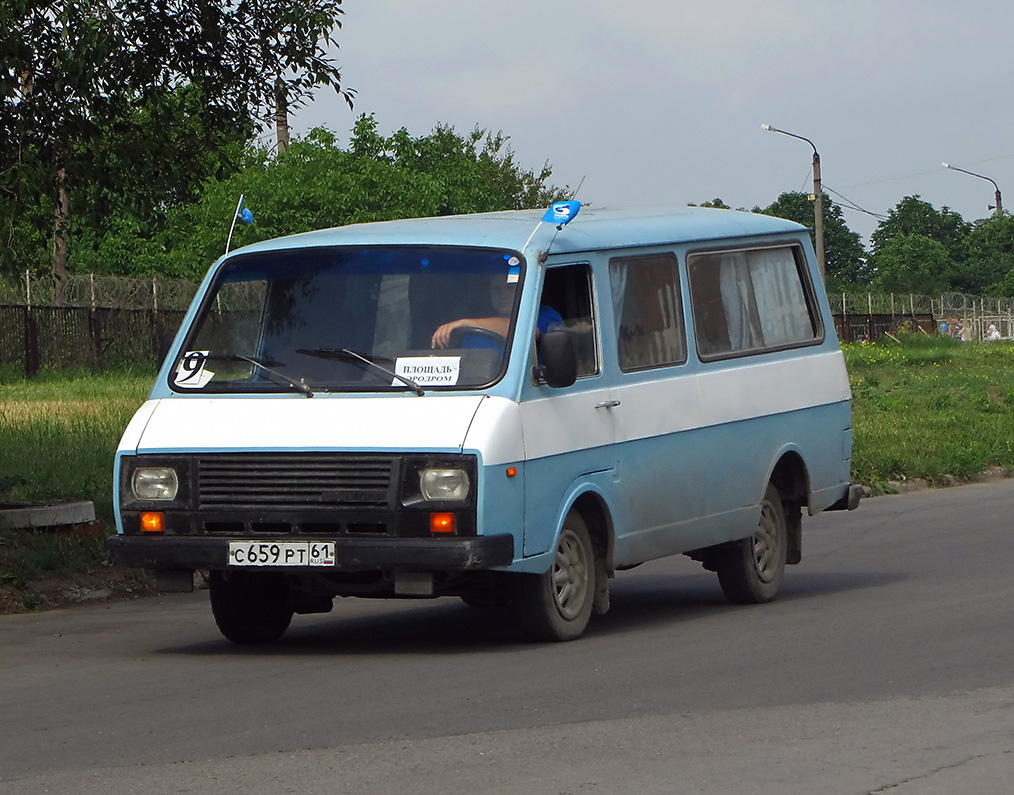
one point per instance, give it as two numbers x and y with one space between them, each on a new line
242 213
562 213
559 214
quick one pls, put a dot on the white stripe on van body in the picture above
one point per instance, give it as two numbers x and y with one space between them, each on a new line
681 399
739 389
496 432
569 420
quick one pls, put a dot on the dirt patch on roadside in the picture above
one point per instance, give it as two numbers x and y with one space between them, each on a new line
77 589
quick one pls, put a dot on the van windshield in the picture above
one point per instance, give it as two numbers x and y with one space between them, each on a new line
363 318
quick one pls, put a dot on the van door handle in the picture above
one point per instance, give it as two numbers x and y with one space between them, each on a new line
609 404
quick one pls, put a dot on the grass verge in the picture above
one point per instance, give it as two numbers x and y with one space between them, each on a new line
931 408
58 434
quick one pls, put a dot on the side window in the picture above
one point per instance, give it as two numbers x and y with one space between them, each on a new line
648 311
750 300
567 303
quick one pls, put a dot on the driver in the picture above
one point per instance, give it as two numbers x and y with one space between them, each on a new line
501 296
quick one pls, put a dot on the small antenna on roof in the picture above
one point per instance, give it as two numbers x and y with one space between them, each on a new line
559 214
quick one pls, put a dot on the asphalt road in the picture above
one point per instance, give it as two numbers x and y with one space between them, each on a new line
885 666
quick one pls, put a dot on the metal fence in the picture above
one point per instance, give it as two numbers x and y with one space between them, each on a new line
89 290
62 337
868 316
107 321
102 321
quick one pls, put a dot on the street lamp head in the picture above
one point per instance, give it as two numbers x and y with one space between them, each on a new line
999 207
818 205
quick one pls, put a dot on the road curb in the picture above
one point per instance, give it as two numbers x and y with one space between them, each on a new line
23 516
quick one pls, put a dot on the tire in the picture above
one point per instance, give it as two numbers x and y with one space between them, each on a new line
249 606
750 570
556 605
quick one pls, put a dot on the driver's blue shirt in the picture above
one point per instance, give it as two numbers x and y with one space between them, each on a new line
548 320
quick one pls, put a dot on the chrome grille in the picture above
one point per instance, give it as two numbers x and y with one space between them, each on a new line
295 480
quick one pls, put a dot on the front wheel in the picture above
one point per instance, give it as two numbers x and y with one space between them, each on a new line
250 606
750 570
556 605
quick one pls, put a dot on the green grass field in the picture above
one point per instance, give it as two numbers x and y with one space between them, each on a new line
930 407
58 434
923 407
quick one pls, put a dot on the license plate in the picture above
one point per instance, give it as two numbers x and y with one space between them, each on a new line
281 553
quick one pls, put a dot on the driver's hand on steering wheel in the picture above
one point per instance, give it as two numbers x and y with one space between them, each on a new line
495 328
442 336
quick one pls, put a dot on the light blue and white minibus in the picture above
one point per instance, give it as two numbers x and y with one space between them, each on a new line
508 408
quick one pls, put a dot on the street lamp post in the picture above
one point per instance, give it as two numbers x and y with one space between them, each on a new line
818 197
999 204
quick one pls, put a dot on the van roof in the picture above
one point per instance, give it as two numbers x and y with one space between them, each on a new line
593 228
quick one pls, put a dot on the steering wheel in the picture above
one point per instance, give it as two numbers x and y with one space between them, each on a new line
458 335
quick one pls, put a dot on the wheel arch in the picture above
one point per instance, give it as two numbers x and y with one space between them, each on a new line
599 520
792 479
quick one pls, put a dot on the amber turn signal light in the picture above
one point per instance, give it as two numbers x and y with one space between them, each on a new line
153 522
441 522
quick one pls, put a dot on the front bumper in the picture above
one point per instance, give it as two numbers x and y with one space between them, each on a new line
351 554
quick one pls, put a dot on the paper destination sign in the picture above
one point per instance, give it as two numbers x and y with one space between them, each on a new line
428 370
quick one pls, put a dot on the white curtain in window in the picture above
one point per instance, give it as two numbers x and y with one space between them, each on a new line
734 283
779 297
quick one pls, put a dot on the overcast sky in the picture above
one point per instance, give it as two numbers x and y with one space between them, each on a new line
661 101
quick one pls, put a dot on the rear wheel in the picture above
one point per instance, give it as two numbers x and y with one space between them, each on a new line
556 605
250 606
750 570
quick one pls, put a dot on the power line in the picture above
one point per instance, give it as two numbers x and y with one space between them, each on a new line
851 205
926 173
895 179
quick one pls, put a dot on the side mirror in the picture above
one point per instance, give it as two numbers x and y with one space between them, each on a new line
558 359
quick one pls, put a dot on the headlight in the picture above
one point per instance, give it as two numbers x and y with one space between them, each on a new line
154 483
443 485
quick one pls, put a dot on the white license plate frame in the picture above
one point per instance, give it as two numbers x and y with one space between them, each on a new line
292 554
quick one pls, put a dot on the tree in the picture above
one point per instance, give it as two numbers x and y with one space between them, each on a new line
843 249
912 216
989 266
716 203
74 73
913 263
316 184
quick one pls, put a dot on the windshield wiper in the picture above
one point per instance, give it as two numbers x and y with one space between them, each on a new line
344 354
266 367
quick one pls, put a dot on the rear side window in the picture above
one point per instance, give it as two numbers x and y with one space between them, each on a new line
751 300
648 312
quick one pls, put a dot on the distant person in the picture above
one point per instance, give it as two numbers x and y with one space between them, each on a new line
992 335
